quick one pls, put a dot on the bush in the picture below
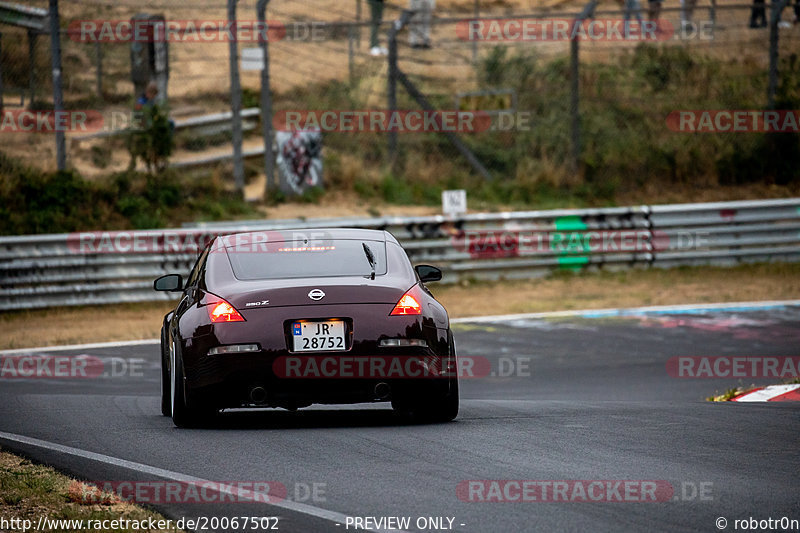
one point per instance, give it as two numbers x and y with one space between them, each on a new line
153 141
32 201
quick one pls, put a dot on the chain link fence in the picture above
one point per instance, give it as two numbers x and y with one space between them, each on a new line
617 114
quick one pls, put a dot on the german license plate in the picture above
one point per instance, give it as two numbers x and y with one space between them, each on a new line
318 336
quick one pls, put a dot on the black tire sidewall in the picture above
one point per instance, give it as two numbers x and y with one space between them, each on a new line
166 401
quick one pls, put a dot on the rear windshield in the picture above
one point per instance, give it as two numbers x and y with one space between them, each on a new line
308 259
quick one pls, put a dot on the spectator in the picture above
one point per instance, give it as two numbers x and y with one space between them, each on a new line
148 97
142 108
687 8
419 34
654 9
146 102
151 132
376 14
758 15
632 7
786 23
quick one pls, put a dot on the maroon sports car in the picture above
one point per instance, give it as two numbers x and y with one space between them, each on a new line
295 317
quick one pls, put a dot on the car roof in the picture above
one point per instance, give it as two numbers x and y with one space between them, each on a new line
292 234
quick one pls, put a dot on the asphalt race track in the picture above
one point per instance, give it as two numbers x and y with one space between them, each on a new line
571 399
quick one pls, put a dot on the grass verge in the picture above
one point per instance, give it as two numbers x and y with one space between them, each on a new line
563 291
29 491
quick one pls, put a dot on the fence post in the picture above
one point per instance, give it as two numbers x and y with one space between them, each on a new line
574 103
236 100
1 73
350 54
777 8
266 100
31 67
358 23
477 10
712 14
98 49
391 90
58 101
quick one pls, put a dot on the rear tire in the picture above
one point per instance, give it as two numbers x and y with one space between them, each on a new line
446 409
166 407
436 407
183 416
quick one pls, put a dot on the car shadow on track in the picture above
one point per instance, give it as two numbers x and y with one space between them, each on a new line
311 419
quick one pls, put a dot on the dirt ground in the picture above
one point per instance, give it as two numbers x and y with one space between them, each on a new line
559 292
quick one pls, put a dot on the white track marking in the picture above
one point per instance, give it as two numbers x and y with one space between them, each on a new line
114 344
297 507
632 311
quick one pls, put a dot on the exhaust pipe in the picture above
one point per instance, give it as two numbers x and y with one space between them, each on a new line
382 390
258 395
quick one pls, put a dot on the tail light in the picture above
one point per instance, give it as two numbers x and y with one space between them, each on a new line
408 305
220 310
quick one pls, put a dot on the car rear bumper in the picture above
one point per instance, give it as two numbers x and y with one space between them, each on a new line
256 392
282 379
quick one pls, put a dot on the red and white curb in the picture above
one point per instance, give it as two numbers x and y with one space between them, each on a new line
773 393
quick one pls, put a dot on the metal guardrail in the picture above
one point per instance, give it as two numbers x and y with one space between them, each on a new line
39 271
202 125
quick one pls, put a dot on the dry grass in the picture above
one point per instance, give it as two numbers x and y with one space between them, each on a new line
51 327
560 292
625 289
30 491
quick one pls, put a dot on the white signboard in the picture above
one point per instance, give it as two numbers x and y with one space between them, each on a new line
252 58
454 202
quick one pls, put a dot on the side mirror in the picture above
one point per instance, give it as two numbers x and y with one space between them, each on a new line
170 282
428 273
